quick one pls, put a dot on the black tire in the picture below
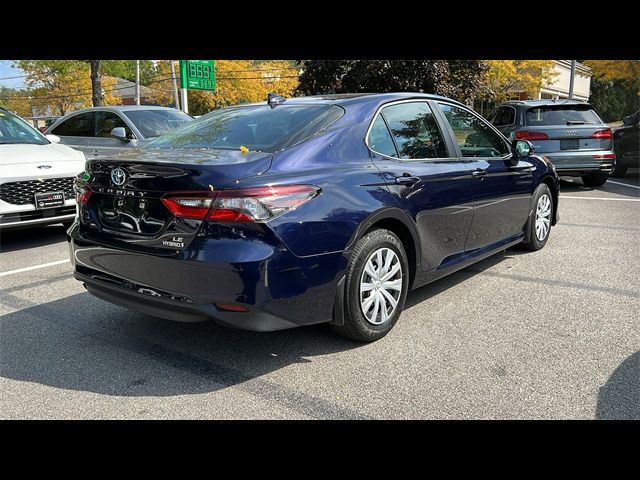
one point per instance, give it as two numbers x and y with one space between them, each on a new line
534 243
595 179
618 169
356 326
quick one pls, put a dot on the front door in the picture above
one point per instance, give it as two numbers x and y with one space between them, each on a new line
501 190
426 177
102 143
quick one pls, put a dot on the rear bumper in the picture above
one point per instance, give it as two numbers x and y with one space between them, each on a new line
578 163
278 289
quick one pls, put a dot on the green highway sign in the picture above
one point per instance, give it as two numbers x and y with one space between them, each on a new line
198 74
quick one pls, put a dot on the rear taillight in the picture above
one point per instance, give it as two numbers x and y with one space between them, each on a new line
240 205
82 195
531 136
603 134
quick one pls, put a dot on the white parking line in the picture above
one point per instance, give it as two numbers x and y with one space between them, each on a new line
623 184
601 198
35 267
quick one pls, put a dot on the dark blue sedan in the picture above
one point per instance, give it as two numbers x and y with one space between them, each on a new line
307 210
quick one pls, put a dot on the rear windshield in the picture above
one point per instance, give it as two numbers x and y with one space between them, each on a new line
153 123
256 127
562 115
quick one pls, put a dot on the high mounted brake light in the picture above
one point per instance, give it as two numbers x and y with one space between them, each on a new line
258 204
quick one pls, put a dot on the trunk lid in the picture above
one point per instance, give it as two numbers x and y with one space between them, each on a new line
125 205
569 138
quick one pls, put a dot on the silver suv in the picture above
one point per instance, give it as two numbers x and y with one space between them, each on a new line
568 132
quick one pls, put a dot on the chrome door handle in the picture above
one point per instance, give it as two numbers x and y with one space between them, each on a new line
479 173
407 179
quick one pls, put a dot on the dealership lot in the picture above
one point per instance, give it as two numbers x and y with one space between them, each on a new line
550 334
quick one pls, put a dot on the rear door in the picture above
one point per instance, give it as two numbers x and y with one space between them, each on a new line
102 143
76 131
566 129
501 190
426 175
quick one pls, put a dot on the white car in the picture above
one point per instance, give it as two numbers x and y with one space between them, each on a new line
36 176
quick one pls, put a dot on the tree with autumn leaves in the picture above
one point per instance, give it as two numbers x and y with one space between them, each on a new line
508 76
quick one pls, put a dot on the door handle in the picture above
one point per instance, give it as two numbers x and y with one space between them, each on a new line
407 179
94 152
479 173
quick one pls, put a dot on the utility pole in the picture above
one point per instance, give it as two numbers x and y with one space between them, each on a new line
175 84
573 78
137 82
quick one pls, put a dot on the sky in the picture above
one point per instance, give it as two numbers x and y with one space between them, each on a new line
6 70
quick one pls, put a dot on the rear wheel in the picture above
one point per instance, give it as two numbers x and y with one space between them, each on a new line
539 224
375 288
595 179
618 169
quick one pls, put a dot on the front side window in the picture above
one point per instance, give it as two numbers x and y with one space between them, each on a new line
473 135
256 127
14 130
80 125
107 121
415 131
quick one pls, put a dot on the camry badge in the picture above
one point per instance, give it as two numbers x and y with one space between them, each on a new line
118 176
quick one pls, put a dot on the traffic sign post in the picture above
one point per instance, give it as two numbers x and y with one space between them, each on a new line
196 75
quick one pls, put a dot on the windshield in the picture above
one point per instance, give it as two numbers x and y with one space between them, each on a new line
256 127
562 115
153 123
14 130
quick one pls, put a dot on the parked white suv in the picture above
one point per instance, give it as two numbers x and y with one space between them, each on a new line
36 175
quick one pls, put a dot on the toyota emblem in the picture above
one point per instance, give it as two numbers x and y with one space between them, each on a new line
118 176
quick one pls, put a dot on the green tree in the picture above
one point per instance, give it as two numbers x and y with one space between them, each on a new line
613 99
127 69
63 85
460 79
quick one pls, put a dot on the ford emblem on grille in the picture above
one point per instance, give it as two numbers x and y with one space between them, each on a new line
118 176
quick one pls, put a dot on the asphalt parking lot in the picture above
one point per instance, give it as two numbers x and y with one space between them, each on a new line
546 335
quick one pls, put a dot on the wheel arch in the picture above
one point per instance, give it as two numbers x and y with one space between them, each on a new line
398 222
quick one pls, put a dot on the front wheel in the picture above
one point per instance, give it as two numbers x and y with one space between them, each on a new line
539 224
376 287
595 179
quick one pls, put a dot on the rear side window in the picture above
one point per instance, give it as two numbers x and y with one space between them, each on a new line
415 131
562 115
504 116
77 126
256 127
380 140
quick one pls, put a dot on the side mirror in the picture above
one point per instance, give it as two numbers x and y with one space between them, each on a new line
53 138
120 133
522 148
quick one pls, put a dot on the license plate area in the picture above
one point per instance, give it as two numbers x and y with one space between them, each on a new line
49 200
570 144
